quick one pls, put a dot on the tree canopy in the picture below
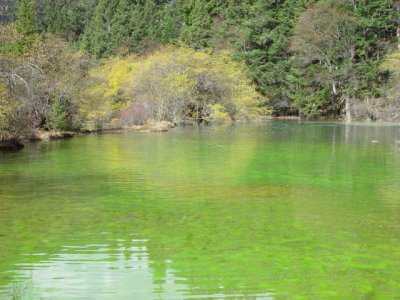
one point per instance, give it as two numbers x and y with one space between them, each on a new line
312 58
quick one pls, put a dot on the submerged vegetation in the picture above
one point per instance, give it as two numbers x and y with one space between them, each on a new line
68 65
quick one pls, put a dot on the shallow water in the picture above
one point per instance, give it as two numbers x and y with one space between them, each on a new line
279 210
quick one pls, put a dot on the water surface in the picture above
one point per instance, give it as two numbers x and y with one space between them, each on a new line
279 210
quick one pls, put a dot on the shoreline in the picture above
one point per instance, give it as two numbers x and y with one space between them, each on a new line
42 135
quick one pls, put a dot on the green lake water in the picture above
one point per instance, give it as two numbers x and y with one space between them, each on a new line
278 210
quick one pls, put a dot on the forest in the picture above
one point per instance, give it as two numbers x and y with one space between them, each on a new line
66 65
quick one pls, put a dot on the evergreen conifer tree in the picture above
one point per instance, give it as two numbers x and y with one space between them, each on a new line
121 26
98 35
197 30
25 17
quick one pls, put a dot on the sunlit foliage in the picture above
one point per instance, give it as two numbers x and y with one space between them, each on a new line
392 64
309 58
105 91
174 83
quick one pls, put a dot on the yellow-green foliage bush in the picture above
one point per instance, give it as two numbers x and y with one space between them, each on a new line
392 64
218 113
101 100
171 84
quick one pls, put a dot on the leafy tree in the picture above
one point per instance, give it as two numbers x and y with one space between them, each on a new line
43 85
324 40
12 120
375 33
298 69
170 84
338 44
